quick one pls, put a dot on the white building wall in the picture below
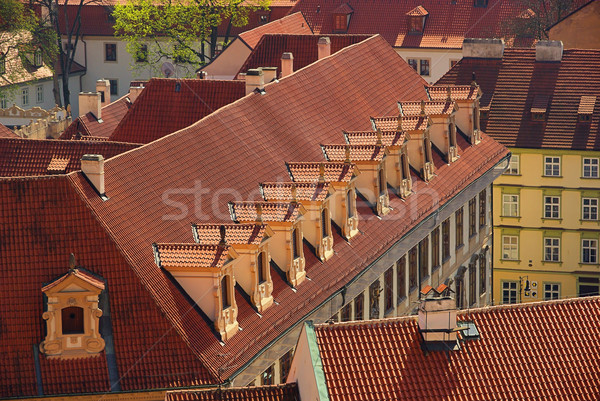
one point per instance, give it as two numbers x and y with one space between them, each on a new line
439 60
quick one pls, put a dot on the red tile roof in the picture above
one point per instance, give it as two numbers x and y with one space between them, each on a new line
517 81
44 220
89 126
147 120
210 234
344 8
191 256
388 138
28 157
191 175
457 92
284 191
418 11
5 132
283 392
405 123
586 105
541 351
290 24
271 211
269 49
311 172
431 107
337 153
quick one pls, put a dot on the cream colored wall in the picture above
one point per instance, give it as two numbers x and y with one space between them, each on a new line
229 62
123 396
464 117
302 371
531 228
439 133
439 63
201 287
366 183
580 30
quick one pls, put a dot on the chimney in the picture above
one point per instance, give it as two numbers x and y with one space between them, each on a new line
437 319
548 50
287 64
483 48
270 74
93 168
134 92
254 80
201 74
103 87
90 102
324 46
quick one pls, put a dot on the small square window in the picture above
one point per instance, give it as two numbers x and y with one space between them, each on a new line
110 52
413 63
509 292
589 208
510 247
551 291
340 23
590 167
114 88
510 205
39 94
552 166
551 207
25 96
513 166
589 251
424 67
263 19
551 249
37 58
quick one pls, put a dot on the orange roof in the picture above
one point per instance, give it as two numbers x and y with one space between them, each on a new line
210 234
58 164
388 138
284 191
89 126
291 24
431 108
418 11
521 85
283 392
586 105
311 172
457 92
343 8
545 351
405 123
79 273
337 153
5 132
191 256
270 211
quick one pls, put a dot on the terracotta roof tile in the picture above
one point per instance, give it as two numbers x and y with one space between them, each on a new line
457 92
337 153
5 132
283 392
209 234
405 123
517 79
185 101
546 350
191 256
418 11
388 138
290 24
269 49
28 157
282 191
89 126
82 274
271 211
586 105
310 172
431 107
539 104
343 8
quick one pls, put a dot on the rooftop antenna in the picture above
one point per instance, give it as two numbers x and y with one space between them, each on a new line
168 69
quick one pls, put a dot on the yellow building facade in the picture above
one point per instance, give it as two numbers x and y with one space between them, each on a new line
546 227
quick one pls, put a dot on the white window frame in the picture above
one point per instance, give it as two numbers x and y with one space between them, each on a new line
37 58
551 291
510 247
552 165
510 205
591 164
591 246
551 249
513 165
25 96
510 287
589 206
39 94
552 202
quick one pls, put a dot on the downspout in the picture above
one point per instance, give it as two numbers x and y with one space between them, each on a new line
85 62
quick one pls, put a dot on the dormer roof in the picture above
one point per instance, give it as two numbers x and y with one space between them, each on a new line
431 108
343 8
76 273
333 172
192 256
269 211
58 165
242 234
404 123
586 105
388 138
539 104
304 191
457 92
418 11
358 153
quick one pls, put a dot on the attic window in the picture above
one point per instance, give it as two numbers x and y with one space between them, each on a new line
341 18
469 330
263 18
480 3
586 108
72 320
37 58
225 296
416 19
538 107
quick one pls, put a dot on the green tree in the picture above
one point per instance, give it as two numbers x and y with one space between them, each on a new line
536 16
183 31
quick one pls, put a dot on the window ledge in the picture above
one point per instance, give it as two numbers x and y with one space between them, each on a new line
434 268
554 262
446 259
510 260
424 278
559 219
460 246
588 263
513 175
589 178
589 221
401 300
552 176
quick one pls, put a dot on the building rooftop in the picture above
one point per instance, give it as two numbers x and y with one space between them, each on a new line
88 124
290 24
191 256
210 234
5 132
309 191
337 153
521 86
387 138
546 350
284 392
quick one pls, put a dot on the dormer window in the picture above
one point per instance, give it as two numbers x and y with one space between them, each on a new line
72 316
295 242
263 18
538 107
225 295
416 20
37 58
382 182
325 223
341 18
586 108
262 267
480 3
350 199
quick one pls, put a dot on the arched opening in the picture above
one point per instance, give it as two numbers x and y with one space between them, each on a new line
262 267
295 244
72 320
324 223
225 293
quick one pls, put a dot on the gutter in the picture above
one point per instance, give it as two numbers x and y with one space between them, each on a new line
85 61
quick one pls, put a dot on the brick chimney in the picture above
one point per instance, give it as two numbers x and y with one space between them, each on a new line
134 92
324 46
483 48
93 168
103 87
90 102
437 319
270 74
254 80
548 50
287 64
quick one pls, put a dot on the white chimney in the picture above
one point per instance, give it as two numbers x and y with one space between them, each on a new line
103 87
287 64
548 50
90 102
134 92
324 46
254 80
93 168
483 48
270 74
201 74
437 319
